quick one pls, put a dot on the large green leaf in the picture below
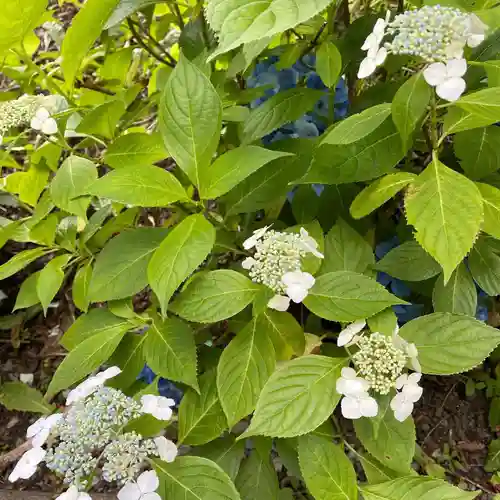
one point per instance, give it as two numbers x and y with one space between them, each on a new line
450 343
378 192
478 151
491 205
182 251
328 63
124 9
232 167
458 120
20 261
446 210
102 121
244 368
214 296
282 108
357 126
170 351
394 442
485 104
409 262
27 295
80 288
135 150
372 156
328 473
346 250
86 357
190 119
201 418
71 181
298 397
148 186
416 488
21 397
129 357
120 270
50 280
484 264
458 296
239 22
348 296
194 478
82 33
409 106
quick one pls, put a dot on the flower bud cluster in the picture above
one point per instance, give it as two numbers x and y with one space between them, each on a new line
18 112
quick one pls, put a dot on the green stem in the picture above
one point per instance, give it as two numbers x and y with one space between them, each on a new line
433 122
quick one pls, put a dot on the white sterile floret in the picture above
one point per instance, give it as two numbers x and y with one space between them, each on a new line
476 31
309 244
402 404
349 383
447 78
73 494
347 335
39 432
44 122
253 240
279 303
408 348
297 285
374 58
144 489
28 464
248 263
356 402
91 385
167 450
158 406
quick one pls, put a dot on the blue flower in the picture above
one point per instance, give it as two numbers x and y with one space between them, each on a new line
166 388
482 313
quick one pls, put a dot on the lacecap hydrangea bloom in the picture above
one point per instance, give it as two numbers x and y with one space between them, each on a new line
379 369
277 264
435 34
89 439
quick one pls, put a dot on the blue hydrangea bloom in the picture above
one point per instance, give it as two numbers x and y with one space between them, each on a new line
166 388
482 313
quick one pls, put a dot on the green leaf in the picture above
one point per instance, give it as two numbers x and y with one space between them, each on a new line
81 35
194 478
492 69
237 23
124 9
135 150
478 151
409 106
232 167
375 472
129 357
305 204
19 17
358 126
378 192
372 156
297 398
485 104
80 288
20 261
383 322
288 455
180 253
27 295
394 444
409 262
491 206
244 368
190 119
285 333
201 418
257 478
328 473
71 181
147 186
102 120
284 107
450 343
225 452
328 63
21 397
120 269
446 210
416 488
484 264
493 462
457 120
348 296
214 296
50 280
458 296
86 357
346 250
170 351
98 321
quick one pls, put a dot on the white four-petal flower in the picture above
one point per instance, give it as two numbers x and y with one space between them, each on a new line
374 58
349 332
72 493
447 78
402 403
27 464
256 236
44 122
356 402
40 430
158 406
297 285
91 385
309 244
144 489
167 450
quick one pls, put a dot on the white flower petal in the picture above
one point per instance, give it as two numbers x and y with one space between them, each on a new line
401 407
455 50
456 67
414 378
166 449
35 428
109 373
41 438
297 293
475 40
379 28
401 381
368 406
451 89
415 364
70 494
257 235
350 408
279 303
348 372
129 492
381 56
435 74
42 114
27 464
349 387
148 481
248 263
151 496
49 126
36 124
370 42
348 333
366 68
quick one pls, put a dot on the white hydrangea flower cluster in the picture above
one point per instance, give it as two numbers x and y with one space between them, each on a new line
436 34
89 436
379 363
277 263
